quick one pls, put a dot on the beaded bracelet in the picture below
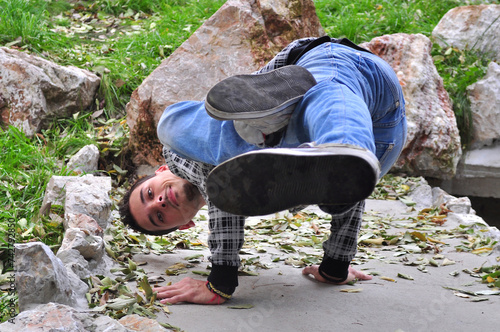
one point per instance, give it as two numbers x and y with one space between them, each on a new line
216 291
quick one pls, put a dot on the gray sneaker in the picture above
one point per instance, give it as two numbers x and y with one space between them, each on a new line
260 104
271 180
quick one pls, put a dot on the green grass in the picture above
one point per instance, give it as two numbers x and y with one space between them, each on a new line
27 165
460 69
363 20
123 41
22 19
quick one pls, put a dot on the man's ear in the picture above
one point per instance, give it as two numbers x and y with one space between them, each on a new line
161 169
186 226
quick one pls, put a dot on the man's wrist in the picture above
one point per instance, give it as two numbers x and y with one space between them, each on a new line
224 278
214 290
334 270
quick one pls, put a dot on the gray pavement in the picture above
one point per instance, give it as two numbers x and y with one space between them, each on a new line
285 300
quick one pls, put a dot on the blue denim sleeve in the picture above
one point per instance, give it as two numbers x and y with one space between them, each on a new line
186 129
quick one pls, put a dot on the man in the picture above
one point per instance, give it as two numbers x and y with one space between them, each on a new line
319 124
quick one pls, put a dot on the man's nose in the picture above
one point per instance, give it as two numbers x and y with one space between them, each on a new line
160 201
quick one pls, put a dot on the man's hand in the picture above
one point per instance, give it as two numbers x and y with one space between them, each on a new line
353 274
188 290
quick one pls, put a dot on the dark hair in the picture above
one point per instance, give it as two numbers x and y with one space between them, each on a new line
127 217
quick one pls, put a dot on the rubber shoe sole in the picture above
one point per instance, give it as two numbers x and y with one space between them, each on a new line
244 97
272 180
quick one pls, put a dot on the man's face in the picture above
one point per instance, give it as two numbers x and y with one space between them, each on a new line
165 201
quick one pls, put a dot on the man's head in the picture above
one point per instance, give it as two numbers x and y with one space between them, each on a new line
161 203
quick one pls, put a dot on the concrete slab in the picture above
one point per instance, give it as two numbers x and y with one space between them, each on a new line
478 174
285 300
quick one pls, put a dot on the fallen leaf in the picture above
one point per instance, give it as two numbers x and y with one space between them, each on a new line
119 83
407 201
488 292
104 298
460 290
479 299
377 241
288 248
155 279
96 114
422 268
483 251
241 306
146 287
462 295
120 304
435 241
419 235
405 276
170 326
387 279
176 269
447 261
433 262
351 290
194 259
175 272
246 273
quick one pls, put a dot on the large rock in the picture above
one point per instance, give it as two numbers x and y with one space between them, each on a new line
83 249
90 246
85 160
74 261
88 199
55 317
87 195
55 193
42 278
34 90
471 27
239 38
87 211
83 222
433 145
484 96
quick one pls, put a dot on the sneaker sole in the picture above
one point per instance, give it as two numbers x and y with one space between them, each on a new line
244 97
272 180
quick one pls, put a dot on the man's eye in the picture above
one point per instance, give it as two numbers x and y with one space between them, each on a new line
160 218
150 193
